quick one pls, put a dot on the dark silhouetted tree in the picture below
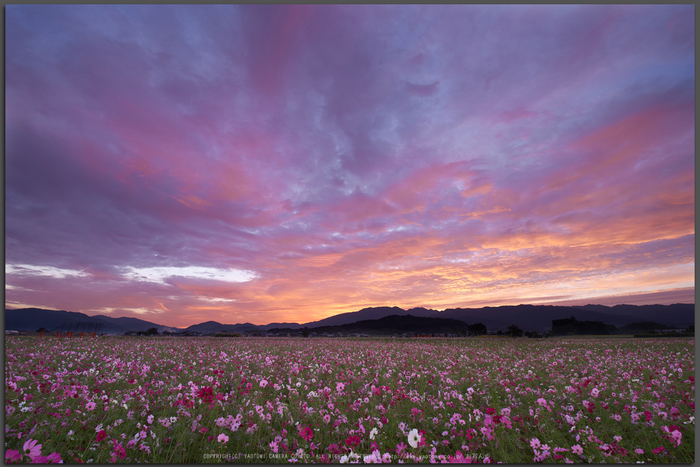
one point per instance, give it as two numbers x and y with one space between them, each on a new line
477 329
514 331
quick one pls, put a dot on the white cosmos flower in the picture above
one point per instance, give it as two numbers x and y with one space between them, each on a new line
413 438
373 433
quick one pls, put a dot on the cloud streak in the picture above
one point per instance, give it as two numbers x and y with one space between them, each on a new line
343 156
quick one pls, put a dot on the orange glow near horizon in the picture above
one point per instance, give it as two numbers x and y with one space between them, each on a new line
285 163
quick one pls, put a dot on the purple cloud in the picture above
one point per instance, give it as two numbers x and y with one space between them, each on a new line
337 156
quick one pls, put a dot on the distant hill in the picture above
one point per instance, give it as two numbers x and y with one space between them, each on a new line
366 313
567 326
393 324
640 328
676 315
211 327
280 325
527 317
530 317
31 319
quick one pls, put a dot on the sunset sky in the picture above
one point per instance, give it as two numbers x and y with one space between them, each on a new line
270 163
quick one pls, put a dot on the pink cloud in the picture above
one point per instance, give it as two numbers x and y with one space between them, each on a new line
347 154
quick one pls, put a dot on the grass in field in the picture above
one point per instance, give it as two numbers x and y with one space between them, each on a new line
341 400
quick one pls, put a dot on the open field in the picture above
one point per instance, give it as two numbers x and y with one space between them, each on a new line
620 336
340 400
595 337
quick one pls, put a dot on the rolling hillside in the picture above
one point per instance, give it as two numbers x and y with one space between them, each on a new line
528 317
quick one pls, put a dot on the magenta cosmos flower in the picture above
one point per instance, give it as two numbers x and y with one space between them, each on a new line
12 455
306 433
31 449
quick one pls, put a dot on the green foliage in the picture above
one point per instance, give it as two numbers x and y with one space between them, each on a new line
514 331
640 328
572 326
477 329
539 390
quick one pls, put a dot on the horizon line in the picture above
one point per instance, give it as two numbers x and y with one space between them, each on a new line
365 308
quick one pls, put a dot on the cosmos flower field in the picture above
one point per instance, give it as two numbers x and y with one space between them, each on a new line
173 400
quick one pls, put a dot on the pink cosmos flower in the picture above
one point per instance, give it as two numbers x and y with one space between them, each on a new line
54 458
31 449
673 434
12 455
353 441
222 438
639 451
577 449
658 450
90 405
306 433
458 458
535 443
421 442
118 450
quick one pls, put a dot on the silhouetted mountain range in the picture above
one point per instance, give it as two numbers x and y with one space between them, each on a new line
527 317
393 324
31 319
